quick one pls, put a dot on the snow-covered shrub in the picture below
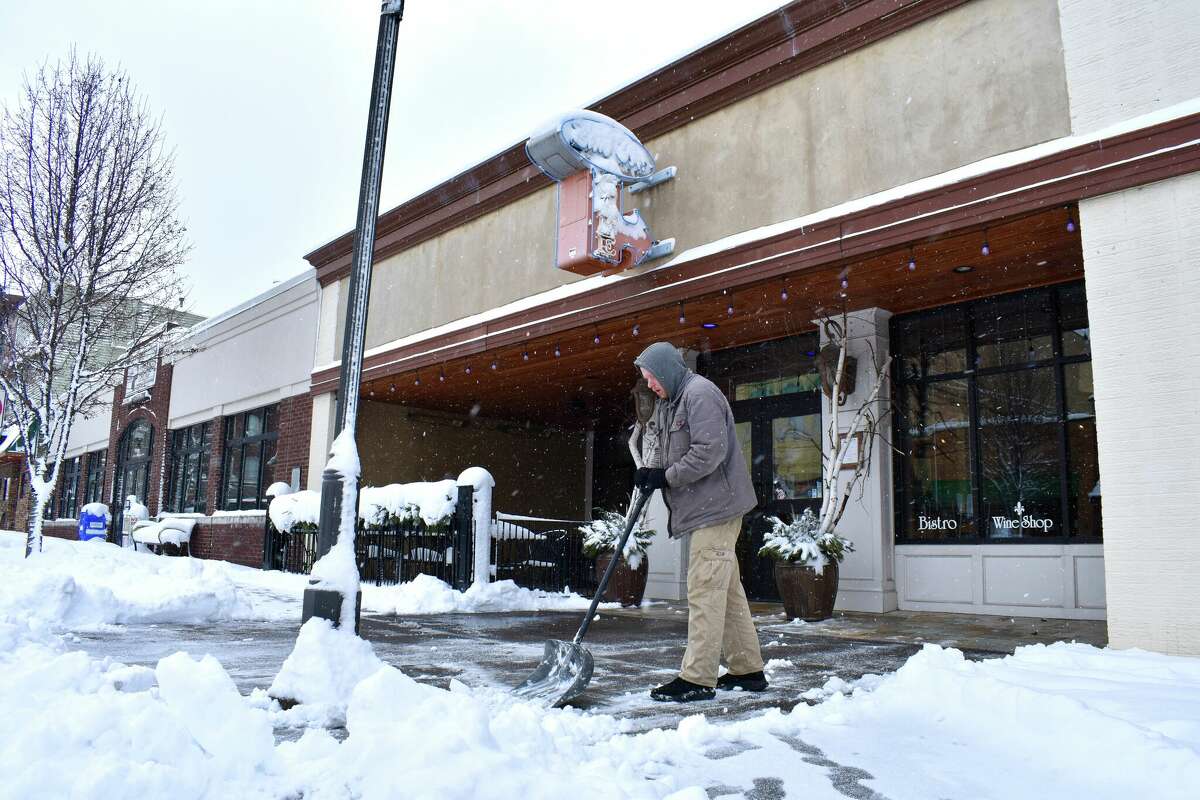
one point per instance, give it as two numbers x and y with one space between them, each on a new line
602 534
380 506
799 541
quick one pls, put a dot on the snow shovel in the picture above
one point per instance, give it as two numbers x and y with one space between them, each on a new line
566 667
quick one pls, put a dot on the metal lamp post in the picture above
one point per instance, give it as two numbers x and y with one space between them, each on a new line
327 603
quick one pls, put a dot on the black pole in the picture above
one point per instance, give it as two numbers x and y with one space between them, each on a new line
324 602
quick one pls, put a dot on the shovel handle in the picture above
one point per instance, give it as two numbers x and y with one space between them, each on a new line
612 565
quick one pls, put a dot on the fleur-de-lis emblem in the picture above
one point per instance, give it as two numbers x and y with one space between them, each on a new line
1019 508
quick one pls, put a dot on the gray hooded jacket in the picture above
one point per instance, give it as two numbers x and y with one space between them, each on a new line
707 478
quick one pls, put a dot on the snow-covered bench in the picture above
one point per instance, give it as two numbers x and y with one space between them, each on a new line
176 531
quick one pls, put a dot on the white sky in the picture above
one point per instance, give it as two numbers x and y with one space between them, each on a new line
266 103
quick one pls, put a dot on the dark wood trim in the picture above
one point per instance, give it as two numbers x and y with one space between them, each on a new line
772 49
1099 167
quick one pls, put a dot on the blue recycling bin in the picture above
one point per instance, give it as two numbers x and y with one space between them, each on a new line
92 525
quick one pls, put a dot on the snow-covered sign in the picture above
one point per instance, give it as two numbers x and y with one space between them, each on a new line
593 157
583 139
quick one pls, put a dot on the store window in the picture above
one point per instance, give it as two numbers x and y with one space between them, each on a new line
248 467
187 473
65 504
995 421
93 491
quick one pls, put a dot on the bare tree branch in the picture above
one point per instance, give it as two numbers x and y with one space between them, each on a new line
90 243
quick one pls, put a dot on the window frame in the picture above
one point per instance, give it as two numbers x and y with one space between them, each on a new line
93 488
1057 362
181 449
237 447
65 502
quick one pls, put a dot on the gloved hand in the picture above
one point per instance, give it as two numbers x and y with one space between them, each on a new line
650 478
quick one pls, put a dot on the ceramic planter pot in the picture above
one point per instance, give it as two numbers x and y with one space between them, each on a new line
807 593
627 586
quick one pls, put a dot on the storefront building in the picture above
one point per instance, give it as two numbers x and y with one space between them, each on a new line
206 434
1007 224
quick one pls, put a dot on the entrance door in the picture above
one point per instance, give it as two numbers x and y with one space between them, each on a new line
132 476
781 440
774 391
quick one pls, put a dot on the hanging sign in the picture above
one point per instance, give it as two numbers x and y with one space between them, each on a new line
594 158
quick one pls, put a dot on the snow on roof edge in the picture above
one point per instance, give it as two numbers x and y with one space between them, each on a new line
277 289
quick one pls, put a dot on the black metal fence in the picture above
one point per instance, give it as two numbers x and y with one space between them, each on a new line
390 553
542 554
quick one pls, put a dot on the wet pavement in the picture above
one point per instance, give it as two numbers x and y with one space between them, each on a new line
634 650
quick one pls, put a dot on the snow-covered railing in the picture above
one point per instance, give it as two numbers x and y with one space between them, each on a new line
431 502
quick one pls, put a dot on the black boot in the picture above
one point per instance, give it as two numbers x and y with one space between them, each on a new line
750 682
682 691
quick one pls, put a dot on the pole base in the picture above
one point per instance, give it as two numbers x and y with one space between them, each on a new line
327 604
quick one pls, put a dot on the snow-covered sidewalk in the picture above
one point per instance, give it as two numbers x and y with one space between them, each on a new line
1066 720
85 584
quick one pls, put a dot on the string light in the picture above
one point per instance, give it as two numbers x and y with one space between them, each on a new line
557 352
441 374
729 310
682 318
783 295
912 260
392 388
417 380
525 355
468 369
493 364
636 328
596 337
986 249
1070 221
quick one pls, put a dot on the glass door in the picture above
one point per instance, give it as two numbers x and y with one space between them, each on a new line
781 439
774 391
132 475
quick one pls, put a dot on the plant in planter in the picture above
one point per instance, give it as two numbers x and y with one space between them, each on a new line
808 550
806 564
600 537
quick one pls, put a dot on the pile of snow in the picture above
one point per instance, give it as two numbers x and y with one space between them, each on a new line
428 595
84 584
324 667
80 585
432 502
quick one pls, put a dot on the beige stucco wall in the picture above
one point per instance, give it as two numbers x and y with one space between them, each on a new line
950 91
1139 251
539 473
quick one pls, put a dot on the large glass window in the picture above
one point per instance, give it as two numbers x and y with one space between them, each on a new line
66 504
187 473
1003 449
249 462
94 488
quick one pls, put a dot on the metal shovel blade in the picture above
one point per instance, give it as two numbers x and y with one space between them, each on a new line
564 673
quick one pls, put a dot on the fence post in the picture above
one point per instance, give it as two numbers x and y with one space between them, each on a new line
463 517
482 483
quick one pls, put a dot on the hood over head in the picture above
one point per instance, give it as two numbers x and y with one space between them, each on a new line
664 362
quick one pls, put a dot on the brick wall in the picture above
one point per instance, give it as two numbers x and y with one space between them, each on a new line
236 539
157 411
295 422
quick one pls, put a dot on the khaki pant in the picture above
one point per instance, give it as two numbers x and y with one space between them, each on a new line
718 614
